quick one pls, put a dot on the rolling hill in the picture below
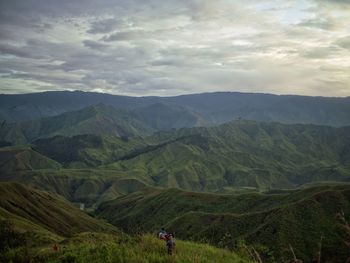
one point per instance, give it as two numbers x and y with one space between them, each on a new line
31 221
98 119
101 120
22 158
270 222
87 186
22 205
87 150
243 155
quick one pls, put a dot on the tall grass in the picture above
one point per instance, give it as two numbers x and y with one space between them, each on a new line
141 249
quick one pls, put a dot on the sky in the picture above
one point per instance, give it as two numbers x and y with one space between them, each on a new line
173 47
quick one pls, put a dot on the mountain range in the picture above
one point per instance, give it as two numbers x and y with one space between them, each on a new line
212 108
236 156
262 175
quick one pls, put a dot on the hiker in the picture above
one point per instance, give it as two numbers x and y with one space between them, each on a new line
162 234
170 243
55 247
169 240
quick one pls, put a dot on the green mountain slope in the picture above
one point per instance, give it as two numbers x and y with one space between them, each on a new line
243 154
31 221
274 221
101 120
14 159
98 119
87 150
46 210
87 186
160 117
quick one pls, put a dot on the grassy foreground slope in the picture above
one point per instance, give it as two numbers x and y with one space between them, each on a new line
270 222
102 248
31 221
46 210
31 218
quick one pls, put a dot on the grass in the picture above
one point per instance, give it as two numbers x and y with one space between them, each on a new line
44 212
90 247
31 221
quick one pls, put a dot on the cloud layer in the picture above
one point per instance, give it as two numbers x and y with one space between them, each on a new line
165 47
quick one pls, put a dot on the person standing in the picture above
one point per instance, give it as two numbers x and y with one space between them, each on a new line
170 243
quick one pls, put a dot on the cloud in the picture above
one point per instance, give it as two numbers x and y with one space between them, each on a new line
95 45
320 23
104 26
334 2
125 36
321 52
167 47
344 42
7 49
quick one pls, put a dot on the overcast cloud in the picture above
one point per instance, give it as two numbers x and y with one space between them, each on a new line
167 47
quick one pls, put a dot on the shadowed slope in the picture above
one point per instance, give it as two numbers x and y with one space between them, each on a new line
99 119
14 159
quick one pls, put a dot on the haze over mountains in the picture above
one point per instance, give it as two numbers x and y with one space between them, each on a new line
213 108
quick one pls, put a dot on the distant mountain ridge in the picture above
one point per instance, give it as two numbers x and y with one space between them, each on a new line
101 119
96 119
214 108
